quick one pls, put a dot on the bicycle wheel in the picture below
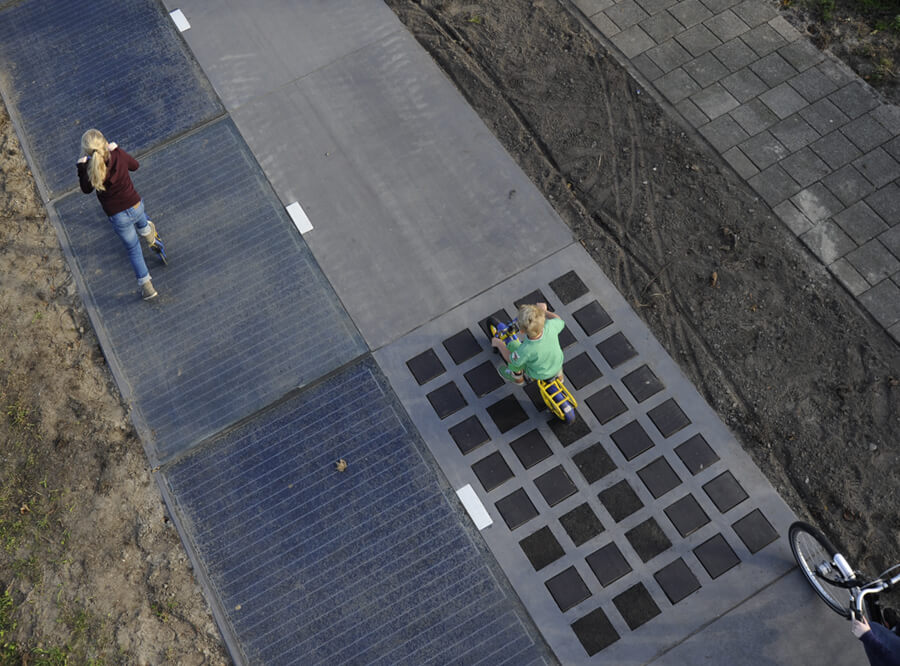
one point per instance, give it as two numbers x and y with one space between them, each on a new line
815 555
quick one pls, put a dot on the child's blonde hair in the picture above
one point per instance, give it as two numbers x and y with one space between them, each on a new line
531 320
95 146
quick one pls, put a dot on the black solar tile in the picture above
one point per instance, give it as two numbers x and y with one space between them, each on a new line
581 370
632 440
567 338
608 564
668 418
592 318
677 580
755 531
484 378
636 606
507 413
606 404
541 548
569 433
687 515
581 524
594 463
462 346
568 287
595 632
620 501
535 297
516 509
469 434
725 492
501 315
642 383
446 400
568 589
555 485
648 540
659 477
616 350
530 449
696 454
716 556
492 471
426 366
533 391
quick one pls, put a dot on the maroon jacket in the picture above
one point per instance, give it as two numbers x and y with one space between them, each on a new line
120 193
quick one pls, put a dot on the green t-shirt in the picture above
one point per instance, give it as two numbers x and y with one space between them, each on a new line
541 358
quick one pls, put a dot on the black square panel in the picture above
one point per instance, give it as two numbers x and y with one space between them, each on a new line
533 391
484 378
507 413
677 580
648 540
462 346
569 433
725 492
568 287
594 463
668 418
606 404
555 485
696 454
636 606
541 548
530 449
616 350
566 338
620 500
516 509
716 556
581 524
755 531
446 400
608 564
501 315
469 434
595 632
592 318
535 297
568 589
632 440
492 471
642 383
687 515
659 477
581 370
426 366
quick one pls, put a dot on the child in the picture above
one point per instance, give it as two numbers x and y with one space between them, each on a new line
539 355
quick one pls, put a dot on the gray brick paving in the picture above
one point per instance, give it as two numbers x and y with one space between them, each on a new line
668 56
848 184
714 101
774 185
763 39
706 70
817 203
690 12
893 147
874 261
698 40
726 25
676 85
837 72
626 13
866 132
824 116
813 84
723 133
754 116
773 69
836 149
785 29
849 277
591 7
878 167
886 202
795 133
801 54
655 6
719 6
744 85
763 149
735 54
889 116
883 302
647 67
805 166
828 242
793 218
854 99
661 26
633 41
692 113
604 24
740 163
783 100
860 222
891 240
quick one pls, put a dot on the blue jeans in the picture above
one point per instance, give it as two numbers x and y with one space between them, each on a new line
125 223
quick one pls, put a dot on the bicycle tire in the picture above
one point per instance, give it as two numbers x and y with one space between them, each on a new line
813 550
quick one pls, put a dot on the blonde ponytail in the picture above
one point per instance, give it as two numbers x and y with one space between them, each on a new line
95 146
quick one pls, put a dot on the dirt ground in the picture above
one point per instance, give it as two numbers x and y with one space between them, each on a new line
90 570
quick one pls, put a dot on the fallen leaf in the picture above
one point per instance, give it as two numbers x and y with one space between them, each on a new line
714 281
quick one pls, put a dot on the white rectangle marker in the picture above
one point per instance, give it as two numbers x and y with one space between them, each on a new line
299 217
180 19
477 512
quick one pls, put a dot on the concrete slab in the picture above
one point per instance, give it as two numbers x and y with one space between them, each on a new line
411 198
661 475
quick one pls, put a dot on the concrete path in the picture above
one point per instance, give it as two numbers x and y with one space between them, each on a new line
809 136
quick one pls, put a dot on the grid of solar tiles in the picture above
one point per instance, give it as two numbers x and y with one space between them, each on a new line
599 497
317 566
139 87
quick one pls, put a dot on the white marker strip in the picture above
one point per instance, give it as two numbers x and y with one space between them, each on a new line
181 21
477 512
299 217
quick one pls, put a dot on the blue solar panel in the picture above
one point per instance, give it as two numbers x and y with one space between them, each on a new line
117 65
244 314
370 565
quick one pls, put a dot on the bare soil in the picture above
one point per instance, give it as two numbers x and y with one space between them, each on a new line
92 572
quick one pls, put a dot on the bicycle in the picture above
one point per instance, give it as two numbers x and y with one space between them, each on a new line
849 593
553 392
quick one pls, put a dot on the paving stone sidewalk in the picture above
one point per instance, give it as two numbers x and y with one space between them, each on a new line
810 137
